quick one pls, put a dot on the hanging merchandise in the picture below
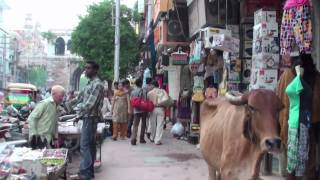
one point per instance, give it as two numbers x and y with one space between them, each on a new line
179 58
223 85
185 78
184 105
146 74
234 70
293 91
198 87
174 81
296 27
195 49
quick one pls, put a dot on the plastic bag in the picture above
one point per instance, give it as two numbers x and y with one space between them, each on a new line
177 129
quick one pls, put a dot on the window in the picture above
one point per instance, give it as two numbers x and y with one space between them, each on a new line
60 46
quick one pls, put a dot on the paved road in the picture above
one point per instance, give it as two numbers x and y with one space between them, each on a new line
174 160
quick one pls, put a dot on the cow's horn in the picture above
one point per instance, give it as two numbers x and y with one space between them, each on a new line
234 98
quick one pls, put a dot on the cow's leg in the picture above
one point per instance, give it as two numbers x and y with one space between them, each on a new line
212 173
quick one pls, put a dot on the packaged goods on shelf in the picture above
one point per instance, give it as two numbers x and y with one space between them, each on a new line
261 16
264 79
266 45
266 61
265 30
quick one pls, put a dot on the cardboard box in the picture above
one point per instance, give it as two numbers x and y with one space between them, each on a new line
225 43
207 33
265 16
235 30
264 79
266 45
266 61
265 30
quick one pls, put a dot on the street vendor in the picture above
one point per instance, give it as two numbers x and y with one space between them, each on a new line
91 102
43 120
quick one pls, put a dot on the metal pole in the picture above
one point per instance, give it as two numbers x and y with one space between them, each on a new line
4 63
117 43
15 61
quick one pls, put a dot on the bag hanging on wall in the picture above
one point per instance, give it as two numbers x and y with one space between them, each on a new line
198 95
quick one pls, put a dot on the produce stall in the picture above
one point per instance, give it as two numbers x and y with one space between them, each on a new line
25 163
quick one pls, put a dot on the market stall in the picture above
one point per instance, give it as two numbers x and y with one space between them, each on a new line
71 131
25 163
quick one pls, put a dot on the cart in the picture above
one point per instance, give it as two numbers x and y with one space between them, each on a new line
68 131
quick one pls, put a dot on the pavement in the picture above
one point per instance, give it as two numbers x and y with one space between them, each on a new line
173 160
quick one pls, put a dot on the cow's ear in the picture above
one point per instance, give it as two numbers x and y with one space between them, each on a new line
247 126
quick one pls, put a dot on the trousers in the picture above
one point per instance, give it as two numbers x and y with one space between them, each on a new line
136 121
157 123
88 147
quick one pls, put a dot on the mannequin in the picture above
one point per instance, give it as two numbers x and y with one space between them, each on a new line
184 107
304 67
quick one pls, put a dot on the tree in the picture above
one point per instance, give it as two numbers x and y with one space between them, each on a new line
49 36
38 76
93 38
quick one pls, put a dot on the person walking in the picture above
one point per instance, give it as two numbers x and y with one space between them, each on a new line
157 115
120 112
43 125
128 88
90 101
138 115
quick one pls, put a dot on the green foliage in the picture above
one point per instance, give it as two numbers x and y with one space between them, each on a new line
93 38
49 36
83 82
38 76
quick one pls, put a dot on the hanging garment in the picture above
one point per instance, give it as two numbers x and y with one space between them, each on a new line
198 82
305 124
296 28
146 74
285 79
184 105
294 3
293 90
185 79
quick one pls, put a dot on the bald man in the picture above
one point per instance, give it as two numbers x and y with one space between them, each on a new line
43 128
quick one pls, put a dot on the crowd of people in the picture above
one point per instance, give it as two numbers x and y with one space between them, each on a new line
95 103
126 118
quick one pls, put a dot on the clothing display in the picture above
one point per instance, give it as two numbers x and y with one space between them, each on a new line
293 90
305 124
174 81
198 82
285 79
146 74
294 3
185 78
296 28
184 105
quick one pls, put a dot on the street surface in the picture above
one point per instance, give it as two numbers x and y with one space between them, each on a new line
174 160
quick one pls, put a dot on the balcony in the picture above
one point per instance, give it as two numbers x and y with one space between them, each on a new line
161 6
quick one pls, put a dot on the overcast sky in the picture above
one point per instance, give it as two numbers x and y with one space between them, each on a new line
51 14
